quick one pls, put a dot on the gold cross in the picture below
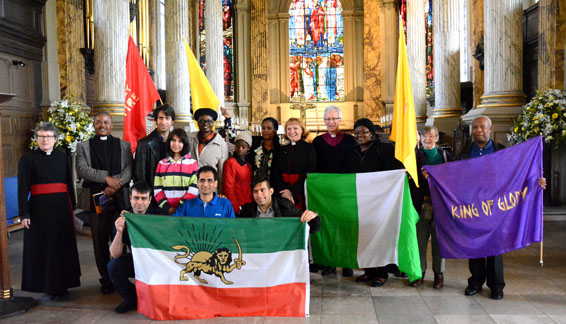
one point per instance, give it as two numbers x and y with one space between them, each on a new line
303 107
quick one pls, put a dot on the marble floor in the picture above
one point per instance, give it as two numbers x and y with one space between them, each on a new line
533 294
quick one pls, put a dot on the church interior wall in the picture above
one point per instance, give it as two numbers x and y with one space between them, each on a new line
50 66
21 52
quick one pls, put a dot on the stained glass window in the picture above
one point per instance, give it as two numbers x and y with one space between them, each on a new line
228 41
429 50
403 16
228 36
316 45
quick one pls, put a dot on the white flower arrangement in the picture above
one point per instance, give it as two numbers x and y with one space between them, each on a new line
545 114
72 119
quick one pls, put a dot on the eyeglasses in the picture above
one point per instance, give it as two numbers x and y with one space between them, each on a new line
332 119
206 121
41 137
358 134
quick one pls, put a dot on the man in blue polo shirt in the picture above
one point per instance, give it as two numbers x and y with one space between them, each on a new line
207 203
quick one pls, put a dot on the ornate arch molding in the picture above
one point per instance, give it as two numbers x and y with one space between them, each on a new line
278 62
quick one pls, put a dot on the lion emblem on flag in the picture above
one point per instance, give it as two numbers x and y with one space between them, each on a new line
217 263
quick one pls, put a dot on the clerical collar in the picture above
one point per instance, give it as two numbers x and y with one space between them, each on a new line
331 139
293 143
103 138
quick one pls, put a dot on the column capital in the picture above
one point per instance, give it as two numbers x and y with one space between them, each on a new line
386 3
242 5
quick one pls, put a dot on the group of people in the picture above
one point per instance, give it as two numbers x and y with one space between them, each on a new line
180 174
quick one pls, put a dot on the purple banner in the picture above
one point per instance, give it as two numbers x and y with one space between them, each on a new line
488 205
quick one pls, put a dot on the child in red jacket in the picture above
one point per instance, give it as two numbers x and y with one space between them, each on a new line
238 173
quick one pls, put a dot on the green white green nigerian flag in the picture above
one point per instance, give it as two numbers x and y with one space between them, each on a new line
188 267
368 220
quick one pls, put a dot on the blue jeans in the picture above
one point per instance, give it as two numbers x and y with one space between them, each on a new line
120 270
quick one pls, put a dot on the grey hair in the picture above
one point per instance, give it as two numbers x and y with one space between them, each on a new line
47 127
331 108
427 129
483 116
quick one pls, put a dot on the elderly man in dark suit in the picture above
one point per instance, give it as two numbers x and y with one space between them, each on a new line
488 269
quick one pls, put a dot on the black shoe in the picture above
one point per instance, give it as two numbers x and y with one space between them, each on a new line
365 278
496 294
61 296
347 272
471 290
417 282
438 280
400 274
378 282
314 268
125 307
107 288
328 270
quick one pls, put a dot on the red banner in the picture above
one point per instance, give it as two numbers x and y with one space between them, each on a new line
141 95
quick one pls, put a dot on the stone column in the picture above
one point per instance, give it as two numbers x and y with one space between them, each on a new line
259 51
373 104
70 39
503 96
111 21
177 79
154 50
243 67
447 104
358 86
389 44
51 90
477 35
552 23
416 50
214 47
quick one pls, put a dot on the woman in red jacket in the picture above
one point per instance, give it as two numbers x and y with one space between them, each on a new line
238 173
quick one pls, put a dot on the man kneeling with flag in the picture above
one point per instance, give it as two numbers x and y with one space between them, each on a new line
266 206
121 267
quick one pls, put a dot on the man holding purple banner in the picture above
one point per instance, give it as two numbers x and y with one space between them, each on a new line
490 267
487 268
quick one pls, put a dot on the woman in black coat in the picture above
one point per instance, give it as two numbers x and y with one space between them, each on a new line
292 162
371 155
263 148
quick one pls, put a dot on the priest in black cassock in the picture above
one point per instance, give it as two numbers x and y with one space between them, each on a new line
105 163
332 148
51 261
